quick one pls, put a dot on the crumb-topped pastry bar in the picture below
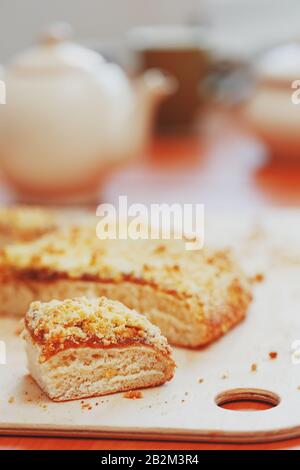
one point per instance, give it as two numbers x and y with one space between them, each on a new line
193 296
82 347
24 223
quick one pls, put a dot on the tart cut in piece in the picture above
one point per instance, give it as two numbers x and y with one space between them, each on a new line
83 347
194 297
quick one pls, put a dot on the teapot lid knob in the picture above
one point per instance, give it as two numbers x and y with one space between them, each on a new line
56 51
56 33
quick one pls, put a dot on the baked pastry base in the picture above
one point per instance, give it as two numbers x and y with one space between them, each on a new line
87 372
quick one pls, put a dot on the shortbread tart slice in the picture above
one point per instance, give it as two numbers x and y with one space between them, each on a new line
81 347
192 296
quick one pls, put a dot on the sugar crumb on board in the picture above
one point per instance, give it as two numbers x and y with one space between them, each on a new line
225 376
257 278
44 406
86 406
273 355
253 367
133 395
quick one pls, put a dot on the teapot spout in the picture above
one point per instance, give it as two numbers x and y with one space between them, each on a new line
152 87
148 91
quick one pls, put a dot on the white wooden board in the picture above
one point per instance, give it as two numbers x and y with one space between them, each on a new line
185 409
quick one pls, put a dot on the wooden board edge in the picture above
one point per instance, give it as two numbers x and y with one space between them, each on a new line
202 436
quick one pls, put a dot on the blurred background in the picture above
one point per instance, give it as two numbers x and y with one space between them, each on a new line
240 26
89 116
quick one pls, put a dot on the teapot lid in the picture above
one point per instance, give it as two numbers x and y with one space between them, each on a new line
55 51
281 64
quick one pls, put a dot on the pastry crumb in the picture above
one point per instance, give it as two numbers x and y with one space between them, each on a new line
259 277
133 395
201 380
273 355
11 400
253 367
224 376
160 249
86 406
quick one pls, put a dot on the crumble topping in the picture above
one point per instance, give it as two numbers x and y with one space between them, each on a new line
77 253
98 322
25 223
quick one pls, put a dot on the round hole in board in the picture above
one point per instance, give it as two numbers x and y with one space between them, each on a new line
247 399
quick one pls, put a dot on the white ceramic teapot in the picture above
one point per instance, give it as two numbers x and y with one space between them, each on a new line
69 115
